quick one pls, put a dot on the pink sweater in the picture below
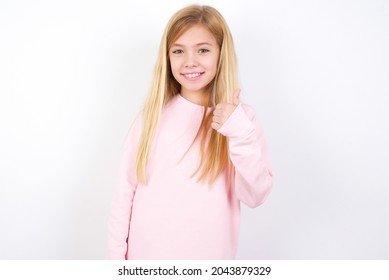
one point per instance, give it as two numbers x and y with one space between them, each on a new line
173 217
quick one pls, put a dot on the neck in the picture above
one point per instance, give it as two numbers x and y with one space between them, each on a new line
196 97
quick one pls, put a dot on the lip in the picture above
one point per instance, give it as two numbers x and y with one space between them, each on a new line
192 76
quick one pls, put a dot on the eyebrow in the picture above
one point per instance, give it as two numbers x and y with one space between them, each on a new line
199 44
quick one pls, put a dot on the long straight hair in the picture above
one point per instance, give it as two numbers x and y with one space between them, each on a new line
214 153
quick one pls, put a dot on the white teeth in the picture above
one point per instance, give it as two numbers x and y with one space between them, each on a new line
192 75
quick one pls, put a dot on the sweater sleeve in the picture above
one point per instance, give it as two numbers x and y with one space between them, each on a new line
249 155
120 213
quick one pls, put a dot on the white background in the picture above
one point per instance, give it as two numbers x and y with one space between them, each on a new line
73 75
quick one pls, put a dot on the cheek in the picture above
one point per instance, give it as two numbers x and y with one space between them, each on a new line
171 64
212 64
175 69
174 65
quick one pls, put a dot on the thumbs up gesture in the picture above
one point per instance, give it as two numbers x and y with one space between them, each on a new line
223 110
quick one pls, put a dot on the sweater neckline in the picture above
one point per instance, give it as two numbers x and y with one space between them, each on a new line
189 103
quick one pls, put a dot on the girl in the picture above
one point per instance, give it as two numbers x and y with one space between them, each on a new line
192 154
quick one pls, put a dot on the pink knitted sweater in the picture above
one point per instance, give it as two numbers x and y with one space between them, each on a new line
174 217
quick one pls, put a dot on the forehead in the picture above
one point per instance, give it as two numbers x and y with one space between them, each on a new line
194 35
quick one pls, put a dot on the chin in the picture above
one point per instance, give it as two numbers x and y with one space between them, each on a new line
196 90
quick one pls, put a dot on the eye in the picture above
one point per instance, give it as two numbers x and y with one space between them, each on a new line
203 50
177 51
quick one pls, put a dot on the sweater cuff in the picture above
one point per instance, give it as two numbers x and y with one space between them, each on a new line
237 125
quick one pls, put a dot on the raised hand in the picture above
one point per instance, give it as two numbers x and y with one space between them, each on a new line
222 111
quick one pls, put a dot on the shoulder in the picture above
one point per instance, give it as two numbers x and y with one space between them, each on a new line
137 121
135 128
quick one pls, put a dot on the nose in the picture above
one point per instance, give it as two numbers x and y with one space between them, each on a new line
190 61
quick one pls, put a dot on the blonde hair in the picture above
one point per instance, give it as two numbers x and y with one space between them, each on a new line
213 146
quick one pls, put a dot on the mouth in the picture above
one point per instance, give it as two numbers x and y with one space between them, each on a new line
192 76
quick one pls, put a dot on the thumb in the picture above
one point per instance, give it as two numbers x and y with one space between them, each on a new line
235 97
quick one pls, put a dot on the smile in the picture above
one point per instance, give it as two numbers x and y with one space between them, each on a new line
193 76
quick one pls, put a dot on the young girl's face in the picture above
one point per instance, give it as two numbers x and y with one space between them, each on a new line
193 58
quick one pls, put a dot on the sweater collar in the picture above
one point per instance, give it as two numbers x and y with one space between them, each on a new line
189 104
